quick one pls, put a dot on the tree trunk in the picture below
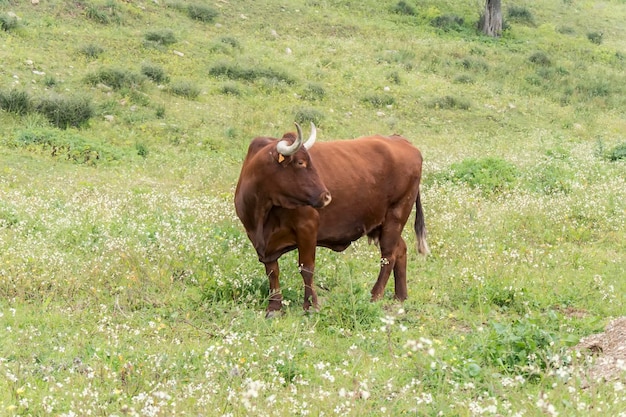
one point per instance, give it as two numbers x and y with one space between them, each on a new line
492 19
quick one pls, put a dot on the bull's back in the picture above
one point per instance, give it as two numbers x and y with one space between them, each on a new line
366 177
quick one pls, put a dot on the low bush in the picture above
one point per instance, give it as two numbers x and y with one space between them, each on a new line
185 89
8 22
16 101
116 78
521 14
64 145
237 71
64 112
448 22
595 37
106 14
202 12
314 92
491 175
307 115
154 72
540 58
404 8
91 50
230 89
378 100
161 37
618 153
449 102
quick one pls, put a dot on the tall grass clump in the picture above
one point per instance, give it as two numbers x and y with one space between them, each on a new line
185 89
404 8
232 89
91 50
520 14
154 72
618 153
64 112
448 22
16 101
161 37
449 103
314 92
378 100
595 37
202 12
540 58
8 22
237 71
116 78
105 14
307 114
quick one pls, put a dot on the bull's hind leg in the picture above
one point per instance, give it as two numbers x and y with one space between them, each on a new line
275 298
392 255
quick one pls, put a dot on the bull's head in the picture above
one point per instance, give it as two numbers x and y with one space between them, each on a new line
298 181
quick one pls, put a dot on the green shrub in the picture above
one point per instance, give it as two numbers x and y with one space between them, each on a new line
449 102
185 89
64 112
551 178
108 13
475 64
379 100
16 101
116 78
154 72
595 37
313 92
306 115
463 79
142 149
491 175
237 71
525 346
394 77
540 58
520 14
161 37
230 89
617 153
447 22
49 81
8 23
202 12
64 145
91 50
404 8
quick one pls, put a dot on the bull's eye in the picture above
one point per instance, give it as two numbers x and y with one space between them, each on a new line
301 163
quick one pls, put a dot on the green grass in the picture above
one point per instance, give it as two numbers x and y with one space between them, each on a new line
129 287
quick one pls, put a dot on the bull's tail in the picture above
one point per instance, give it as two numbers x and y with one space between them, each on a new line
420 227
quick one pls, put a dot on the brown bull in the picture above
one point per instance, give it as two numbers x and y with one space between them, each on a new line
291 195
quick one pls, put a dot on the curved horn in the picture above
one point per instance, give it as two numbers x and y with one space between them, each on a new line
311 140
287 150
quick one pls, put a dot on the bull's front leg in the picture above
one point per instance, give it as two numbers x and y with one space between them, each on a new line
306 265
275 297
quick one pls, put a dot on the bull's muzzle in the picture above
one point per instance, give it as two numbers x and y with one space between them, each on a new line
324 200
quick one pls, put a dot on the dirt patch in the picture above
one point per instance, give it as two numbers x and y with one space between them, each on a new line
608 350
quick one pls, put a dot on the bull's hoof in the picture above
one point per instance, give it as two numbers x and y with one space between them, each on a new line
273 314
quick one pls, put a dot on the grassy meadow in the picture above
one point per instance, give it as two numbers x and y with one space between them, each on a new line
129 287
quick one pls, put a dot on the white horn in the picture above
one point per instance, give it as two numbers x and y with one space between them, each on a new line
285 149
311 140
